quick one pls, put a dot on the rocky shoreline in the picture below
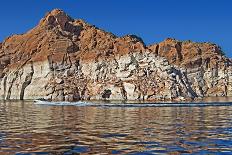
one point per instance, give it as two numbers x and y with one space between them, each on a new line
63 59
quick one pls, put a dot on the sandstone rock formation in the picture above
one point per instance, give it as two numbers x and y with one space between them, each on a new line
207 68
63 59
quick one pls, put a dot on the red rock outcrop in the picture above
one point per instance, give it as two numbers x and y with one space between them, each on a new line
66 59
208 69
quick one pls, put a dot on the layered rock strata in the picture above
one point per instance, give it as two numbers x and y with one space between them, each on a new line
63 59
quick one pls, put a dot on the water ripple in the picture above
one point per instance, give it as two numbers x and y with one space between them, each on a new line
26 128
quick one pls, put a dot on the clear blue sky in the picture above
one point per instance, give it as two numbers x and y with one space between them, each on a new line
153 20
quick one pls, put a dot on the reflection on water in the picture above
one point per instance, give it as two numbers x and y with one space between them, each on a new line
39 129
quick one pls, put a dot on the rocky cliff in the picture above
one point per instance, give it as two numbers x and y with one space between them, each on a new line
63 59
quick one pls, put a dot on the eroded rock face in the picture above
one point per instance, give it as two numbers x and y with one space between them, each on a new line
66 59
208 70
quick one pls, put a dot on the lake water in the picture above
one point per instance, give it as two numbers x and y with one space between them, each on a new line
27 128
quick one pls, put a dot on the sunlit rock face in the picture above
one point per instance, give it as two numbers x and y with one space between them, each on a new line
208 69
63 59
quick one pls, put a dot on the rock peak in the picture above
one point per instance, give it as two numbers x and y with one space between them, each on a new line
56 17
56 12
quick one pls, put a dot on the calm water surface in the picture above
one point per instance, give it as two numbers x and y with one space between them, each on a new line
26 128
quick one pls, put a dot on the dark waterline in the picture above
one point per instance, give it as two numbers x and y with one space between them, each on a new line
26 128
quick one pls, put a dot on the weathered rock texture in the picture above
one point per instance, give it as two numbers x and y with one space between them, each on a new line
207 69
63 59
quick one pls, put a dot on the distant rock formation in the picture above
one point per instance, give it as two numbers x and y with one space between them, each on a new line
63 59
